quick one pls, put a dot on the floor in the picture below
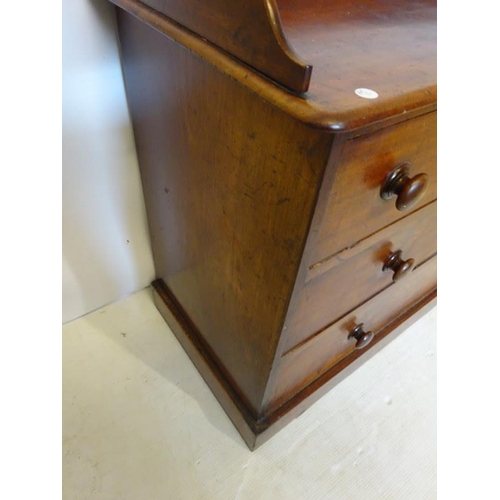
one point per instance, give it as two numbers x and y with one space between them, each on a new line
139 422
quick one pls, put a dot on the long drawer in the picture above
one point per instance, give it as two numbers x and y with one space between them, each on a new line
302 365
355 208
353 276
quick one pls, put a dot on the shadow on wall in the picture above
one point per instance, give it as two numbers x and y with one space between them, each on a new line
106 249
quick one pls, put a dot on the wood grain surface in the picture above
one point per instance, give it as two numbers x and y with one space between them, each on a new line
388 47
355 209
319 108
357 274
268 228
249 30
301 366
230 186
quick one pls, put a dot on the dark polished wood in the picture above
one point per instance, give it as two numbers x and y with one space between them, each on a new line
366 161
299 366
272 243
191 341
357 274
396 263
407 190
218 192
362 338
256 432
250 30
302 400
388 47
331 103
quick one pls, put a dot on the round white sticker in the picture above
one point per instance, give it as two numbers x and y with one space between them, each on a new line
366 93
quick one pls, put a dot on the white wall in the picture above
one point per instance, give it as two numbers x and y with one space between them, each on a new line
106 252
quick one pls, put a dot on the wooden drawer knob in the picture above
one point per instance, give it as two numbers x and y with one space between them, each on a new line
400 267
362 338
407 189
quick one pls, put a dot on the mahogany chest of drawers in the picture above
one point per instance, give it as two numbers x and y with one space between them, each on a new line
288 160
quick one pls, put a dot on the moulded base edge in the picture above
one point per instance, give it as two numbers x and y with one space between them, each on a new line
255 432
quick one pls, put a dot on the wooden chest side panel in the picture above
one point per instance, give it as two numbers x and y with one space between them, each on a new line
230 184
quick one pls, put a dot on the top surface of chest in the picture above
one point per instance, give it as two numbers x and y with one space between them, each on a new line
310 59
388 47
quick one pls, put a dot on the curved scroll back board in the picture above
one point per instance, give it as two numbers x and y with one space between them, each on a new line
247 29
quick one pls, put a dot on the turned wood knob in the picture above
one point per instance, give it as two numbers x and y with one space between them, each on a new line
362 338
400 267
407 189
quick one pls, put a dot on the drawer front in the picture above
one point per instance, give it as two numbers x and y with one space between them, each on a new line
355 208
353 276
301 366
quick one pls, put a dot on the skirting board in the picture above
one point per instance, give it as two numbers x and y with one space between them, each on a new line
256 431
